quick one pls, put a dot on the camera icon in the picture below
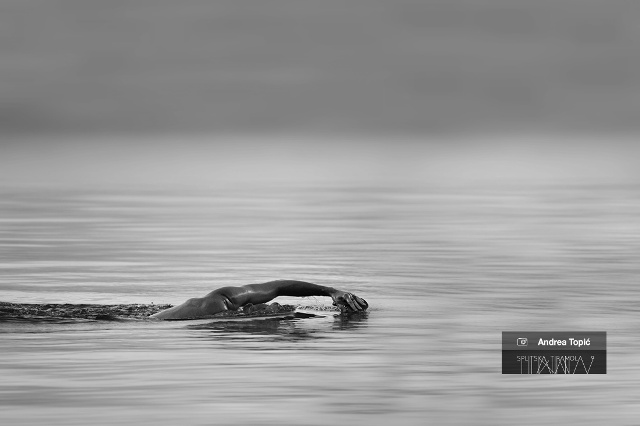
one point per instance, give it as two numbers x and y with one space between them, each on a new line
522 341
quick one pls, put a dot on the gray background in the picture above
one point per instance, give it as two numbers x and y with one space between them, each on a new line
450 90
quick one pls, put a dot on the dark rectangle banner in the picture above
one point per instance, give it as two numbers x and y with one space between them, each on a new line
548 352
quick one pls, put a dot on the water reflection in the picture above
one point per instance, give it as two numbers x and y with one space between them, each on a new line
348 322
293 327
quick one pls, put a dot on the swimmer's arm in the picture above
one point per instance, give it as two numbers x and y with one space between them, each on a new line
262 293
273 289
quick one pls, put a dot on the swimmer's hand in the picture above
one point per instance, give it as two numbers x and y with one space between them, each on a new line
348 302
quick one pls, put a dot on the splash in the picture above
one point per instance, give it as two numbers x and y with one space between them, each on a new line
77 311
36 311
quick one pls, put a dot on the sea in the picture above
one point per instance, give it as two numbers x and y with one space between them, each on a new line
445 270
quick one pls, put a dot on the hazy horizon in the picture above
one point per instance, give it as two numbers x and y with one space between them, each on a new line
209 161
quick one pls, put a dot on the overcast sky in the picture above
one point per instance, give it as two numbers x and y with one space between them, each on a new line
449 73
372 66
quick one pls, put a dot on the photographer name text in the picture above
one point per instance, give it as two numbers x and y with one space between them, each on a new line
572 342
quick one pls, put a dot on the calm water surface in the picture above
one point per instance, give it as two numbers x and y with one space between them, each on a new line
445 270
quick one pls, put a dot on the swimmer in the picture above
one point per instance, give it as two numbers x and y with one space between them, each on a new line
234 298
